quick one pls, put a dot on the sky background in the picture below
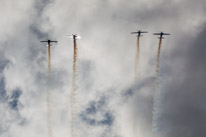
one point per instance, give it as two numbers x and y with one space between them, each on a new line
109 103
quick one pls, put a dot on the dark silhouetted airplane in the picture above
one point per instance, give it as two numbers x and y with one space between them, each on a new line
49 41
139 32
161 34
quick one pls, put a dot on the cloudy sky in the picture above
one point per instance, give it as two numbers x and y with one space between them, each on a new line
109 102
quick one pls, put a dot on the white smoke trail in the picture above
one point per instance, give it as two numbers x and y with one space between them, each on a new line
157 93
48 94
74 89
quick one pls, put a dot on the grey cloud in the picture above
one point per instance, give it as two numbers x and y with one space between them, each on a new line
35 26
14 99
3 94
135 89
89 115
183 107
40 5
86 77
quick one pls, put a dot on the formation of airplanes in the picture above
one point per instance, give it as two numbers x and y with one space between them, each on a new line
161 34
139 33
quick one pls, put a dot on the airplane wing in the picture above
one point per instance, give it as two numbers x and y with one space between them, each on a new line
53 41
134 32
166 34
43 41
144 32
156 34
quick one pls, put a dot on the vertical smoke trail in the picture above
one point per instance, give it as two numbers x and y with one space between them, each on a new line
157 92
137 59
158 56
48 94
74 88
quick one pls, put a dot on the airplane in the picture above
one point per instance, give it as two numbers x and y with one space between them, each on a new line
139 32
49 41
74 36
161 34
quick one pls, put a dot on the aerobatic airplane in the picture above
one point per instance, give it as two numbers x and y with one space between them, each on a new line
74 36
161 34
49 41
139 32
